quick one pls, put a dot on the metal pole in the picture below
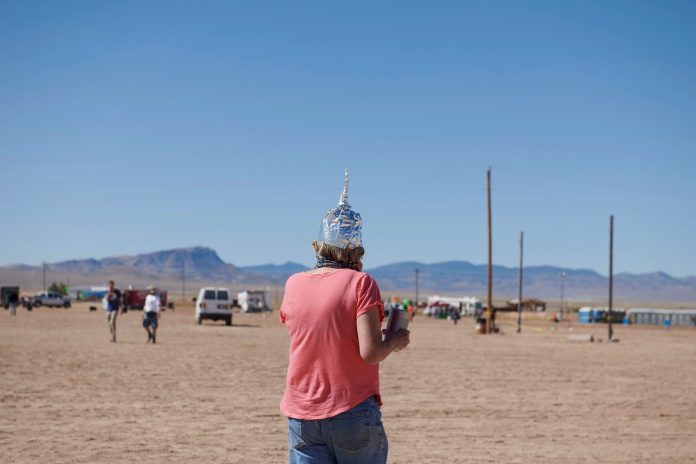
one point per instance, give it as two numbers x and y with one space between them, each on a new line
183 280
415 304
489 313
44 276
519 295
563 274
611 275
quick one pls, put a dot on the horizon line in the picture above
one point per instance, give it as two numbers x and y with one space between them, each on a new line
575 269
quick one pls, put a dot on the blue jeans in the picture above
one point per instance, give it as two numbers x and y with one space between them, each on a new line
354 436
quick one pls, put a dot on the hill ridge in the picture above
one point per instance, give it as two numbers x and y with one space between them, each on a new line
203 264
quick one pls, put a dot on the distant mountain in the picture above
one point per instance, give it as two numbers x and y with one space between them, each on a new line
465 278
203 266
166 268
198 263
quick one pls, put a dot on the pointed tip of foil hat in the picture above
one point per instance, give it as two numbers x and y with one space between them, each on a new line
343 200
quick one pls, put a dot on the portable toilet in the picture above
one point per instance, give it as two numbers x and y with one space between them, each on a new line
585 315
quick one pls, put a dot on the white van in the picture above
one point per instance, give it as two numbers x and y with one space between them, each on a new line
252 301
214 303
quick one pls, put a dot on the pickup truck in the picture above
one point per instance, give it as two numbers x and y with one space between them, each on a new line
50 299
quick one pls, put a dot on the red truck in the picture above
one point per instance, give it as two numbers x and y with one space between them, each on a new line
135 299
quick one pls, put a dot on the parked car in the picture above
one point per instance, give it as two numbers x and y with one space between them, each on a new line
50 299
215 304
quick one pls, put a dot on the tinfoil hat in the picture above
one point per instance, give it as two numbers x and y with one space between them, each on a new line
341 226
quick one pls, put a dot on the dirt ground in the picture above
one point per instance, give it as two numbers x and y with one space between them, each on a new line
210 393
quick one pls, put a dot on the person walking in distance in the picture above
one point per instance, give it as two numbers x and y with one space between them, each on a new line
151 314
12 300
333 315
113 301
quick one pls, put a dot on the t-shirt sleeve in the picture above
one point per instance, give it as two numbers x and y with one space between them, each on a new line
281 312
368 297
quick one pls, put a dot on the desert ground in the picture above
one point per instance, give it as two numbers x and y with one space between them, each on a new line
210 393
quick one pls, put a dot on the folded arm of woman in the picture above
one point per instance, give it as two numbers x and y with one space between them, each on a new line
374 348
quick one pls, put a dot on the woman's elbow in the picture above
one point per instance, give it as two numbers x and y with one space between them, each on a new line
370 357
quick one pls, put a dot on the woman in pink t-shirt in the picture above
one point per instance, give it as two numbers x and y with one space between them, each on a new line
333 314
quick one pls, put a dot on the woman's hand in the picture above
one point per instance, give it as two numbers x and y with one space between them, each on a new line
397 340
376 344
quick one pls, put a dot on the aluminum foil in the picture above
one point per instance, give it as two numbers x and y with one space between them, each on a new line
341 226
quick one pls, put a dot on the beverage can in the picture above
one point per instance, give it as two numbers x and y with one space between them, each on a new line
397 320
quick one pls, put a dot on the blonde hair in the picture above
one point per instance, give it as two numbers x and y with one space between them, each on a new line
349 257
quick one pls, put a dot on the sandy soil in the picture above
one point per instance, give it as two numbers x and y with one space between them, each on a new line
210 393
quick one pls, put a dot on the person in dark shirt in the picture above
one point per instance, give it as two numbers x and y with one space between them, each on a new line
12 300
113 301
456 313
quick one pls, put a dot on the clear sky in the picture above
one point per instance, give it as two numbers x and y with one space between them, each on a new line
130 126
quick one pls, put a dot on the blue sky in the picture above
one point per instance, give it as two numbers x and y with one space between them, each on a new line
129 127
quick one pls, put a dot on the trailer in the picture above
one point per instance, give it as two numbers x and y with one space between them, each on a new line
468 304
663 317
87 293
5 293
531 304
135 299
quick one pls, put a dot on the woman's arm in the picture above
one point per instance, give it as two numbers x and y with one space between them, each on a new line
374 348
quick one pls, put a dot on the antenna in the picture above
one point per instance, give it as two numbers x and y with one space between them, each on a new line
343 201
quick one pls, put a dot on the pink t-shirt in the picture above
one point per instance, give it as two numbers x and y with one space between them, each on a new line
326 375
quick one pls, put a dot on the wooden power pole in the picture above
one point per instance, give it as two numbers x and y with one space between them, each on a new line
489 312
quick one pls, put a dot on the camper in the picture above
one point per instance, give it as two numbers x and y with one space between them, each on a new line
253 301
87 293
468 304
215 304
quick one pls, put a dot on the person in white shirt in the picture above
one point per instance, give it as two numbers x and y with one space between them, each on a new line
151 314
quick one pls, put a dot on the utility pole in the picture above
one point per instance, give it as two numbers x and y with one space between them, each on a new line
489 313
44 275
417 271
183 280
563 275
611 275
519 294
